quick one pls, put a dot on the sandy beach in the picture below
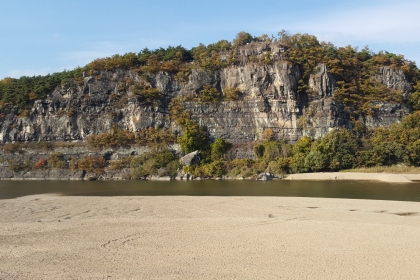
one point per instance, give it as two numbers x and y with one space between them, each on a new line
57 237
356 176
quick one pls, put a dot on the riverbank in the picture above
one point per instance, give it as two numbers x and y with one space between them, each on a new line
356 176
57 237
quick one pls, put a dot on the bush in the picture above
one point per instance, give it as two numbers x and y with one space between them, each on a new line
209 94
56 161
232 94
219 149
114 139
146 96
41 163
270 150
19 165
161 162
155 137
194 137
92 164
12 148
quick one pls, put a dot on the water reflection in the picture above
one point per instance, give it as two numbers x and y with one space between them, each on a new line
329 189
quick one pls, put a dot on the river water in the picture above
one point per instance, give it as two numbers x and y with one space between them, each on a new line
328 189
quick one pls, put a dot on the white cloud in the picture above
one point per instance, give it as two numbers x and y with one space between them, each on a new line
103 49
387 23
28 72
91 51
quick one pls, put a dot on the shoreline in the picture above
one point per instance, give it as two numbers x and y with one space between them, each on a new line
181 237
355 176
316 176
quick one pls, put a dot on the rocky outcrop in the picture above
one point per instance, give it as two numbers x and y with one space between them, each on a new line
269 100
321 82
191 158
394 78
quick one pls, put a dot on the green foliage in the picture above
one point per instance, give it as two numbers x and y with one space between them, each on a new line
92 164
209 94
122 163
231 94
266 58
161 162
216 168
396 144
194 137
17 165
414 98
56 161
155 137
305 51
208 58
147 96
242 38
170 53
335 151
145 61
300 150
116 138
270 150
12 148
24 91
355 87
302 145
219 148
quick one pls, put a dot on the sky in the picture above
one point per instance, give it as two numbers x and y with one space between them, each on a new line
47 36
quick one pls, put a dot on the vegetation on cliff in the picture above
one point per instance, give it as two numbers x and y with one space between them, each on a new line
352 68
356 89
339 149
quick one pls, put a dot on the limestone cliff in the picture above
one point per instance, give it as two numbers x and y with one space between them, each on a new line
270 99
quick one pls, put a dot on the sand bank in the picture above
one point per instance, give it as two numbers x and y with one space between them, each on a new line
385 177
54 237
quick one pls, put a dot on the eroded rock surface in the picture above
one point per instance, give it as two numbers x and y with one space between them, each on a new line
270 100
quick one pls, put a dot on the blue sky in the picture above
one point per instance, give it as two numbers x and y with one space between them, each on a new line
44 36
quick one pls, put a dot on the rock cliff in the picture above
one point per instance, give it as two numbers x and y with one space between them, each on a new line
269 100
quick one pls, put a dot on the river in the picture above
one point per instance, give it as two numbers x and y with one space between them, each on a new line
327 189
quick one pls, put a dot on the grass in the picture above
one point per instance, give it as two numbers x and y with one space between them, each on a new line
397 169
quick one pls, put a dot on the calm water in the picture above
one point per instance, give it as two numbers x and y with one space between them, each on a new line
331 189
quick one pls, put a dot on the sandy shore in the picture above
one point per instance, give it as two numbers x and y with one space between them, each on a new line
385 177
55 237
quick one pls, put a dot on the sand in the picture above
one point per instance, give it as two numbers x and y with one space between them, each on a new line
57 237
384 177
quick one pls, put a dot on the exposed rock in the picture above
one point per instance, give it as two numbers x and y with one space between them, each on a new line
321 82
269 101
394 78
191 158
265 177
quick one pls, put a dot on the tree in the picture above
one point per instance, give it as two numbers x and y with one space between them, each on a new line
219 148
414 98
147 96
231 94
242 38
209 94
335 151
194 137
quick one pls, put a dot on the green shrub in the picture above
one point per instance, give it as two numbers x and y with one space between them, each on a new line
146 96
194 137
209 94
161 162
219 148
19 165
56 161
116 138
92 164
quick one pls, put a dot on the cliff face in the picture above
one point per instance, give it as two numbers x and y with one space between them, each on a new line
269 100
